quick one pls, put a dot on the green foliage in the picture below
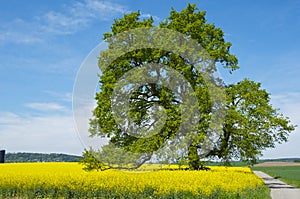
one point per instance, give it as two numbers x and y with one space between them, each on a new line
90 161
110 157
251 125
192 22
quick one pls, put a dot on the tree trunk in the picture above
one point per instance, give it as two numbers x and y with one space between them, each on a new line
193 157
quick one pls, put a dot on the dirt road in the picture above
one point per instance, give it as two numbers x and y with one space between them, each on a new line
277 164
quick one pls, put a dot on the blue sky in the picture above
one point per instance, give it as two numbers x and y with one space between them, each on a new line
43 43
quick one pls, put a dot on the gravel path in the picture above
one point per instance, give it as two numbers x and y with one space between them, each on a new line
279 189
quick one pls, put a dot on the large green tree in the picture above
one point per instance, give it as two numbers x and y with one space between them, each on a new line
251 123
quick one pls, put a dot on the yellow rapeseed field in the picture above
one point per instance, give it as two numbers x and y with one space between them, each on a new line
70 176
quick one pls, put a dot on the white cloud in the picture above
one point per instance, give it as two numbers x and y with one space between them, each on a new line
94 8
289 105
149 15
54 131
20 32
7 118
58 133
70 19
46 106
18 37
40 134
65 97
286 98
80 15
82 115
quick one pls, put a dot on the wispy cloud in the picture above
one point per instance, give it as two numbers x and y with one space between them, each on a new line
145 15
52 131
47 134
65 97
80 15
289 105
68 20
8 118
18 37
19 31
46 106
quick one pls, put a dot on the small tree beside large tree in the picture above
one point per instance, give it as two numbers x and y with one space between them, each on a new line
251 125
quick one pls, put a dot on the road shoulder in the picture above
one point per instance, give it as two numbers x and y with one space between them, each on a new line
279 189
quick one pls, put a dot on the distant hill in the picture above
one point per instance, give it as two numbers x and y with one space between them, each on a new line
40 157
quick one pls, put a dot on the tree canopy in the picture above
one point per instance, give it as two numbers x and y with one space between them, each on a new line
250 123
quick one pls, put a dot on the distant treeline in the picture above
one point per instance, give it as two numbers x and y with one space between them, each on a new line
40 157
57 157
282 160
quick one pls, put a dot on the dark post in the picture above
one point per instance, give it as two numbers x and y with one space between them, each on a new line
2 156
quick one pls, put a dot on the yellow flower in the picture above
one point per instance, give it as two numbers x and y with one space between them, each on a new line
71 176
